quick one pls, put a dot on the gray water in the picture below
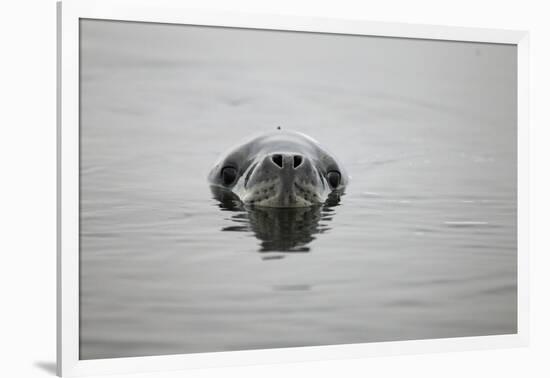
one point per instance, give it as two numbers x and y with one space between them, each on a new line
423 244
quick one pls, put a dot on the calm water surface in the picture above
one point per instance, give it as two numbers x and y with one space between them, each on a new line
423 244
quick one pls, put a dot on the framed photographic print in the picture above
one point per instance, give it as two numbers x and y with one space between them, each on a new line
246 188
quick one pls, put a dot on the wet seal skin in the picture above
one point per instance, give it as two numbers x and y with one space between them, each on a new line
278 169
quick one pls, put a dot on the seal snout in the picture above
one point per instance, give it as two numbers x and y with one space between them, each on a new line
283 179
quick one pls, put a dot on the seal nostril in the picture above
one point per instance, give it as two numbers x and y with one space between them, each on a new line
297 161
278 160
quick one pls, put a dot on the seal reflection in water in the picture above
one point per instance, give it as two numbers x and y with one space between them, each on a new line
281 185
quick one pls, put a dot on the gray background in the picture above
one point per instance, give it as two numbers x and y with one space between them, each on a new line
422 246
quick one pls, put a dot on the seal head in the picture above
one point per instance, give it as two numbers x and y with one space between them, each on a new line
281 169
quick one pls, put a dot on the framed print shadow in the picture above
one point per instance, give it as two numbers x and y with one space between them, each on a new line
238 189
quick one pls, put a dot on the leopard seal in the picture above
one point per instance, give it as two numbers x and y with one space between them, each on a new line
278 169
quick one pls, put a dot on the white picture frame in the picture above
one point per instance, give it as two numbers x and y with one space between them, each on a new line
169 11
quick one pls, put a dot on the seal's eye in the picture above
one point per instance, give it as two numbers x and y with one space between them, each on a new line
229 175
333 178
